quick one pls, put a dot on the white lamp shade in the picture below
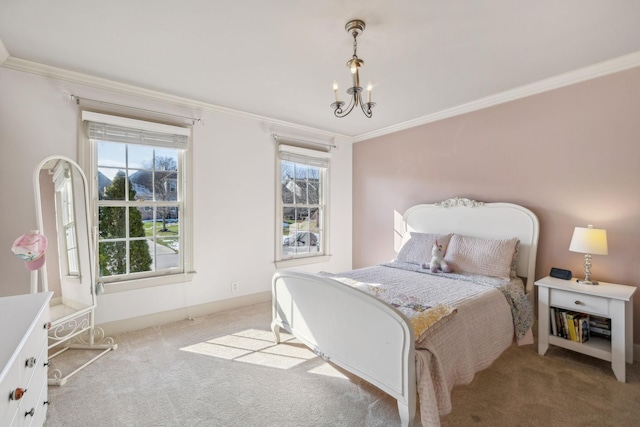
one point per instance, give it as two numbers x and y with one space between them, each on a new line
589 241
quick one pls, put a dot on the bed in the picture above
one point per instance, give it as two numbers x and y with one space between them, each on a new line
421 344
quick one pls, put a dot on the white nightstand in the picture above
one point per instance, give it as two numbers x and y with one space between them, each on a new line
606 300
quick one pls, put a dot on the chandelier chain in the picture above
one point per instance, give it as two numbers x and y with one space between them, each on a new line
355 44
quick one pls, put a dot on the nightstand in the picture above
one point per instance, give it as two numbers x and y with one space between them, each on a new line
607 300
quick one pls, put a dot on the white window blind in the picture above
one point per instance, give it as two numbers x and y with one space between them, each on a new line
304 156
105 127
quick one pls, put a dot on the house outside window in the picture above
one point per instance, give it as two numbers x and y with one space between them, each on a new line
302 204
139 197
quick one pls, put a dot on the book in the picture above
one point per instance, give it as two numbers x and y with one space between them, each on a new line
571 325
584 327
600 331
554 326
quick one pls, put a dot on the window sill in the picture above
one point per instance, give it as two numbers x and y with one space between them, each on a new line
284 263
130 285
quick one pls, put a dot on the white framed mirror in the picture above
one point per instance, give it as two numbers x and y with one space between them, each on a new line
62 212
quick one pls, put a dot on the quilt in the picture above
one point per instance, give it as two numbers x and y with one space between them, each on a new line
462 323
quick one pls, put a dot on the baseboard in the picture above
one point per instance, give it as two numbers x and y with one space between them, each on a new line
156 319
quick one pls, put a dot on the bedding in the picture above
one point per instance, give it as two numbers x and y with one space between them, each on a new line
482 312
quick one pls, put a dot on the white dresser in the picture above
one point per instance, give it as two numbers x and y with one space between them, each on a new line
23 359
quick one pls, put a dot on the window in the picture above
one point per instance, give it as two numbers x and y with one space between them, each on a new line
302 203
139 197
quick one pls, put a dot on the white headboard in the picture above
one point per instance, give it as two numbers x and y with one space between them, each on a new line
478 219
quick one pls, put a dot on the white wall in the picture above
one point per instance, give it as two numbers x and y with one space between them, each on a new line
234 207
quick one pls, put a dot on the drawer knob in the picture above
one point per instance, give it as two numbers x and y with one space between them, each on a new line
578 302
47 325
46 363
31 362
17 394
46 402
31 412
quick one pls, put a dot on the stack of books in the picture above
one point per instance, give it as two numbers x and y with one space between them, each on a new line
570 325
600 327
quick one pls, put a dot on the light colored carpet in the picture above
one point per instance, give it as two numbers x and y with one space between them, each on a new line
224 370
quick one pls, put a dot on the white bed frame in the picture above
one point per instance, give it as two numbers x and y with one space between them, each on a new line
369 338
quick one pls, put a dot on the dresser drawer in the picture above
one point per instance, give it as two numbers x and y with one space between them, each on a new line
10 406
579 302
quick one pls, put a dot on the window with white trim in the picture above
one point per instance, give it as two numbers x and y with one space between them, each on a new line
139 197
302 193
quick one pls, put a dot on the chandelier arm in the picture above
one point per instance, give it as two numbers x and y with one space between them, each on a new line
366 108
339 112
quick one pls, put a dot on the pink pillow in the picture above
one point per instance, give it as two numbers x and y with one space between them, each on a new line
476 255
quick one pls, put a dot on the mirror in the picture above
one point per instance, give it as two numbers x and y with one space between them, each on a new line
62 214
62 211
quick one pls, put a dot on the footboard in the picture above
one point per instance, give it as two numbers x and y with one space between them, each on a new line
350 328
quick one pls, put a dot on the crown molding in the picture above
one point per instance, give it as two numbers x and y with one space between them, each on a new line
31 67
4 53
587 73
566 79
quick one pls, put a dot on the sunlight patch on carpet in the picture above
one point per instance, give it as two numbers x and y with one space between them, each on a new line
256 347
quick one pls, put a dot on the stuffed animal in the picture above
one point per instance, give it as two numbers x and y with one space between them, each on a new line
437 261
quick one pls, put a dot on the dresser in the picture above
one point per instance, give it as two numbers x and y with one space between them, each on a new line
23 359
607 300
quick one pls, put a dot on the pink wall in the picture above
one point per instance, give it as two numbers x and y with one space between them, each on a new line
571 155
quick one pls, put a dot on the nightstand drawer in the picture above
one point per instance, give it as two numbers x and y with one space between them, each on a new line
579 302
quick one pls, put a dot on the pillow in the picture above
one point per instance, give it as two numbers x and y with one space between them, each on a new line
486 257
514 261
416 247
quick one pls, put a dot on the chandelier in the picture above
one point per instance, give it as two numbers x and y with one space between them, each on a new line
355 27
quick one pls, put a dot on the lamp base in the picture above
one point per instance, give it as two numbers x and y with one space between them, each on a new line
587 282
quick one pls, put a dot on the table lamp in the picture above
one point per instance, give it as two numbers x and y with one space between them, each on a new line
589 241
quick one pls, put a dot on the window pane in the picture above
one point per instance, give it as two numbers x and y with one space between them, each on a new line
136 226
301 171
112 258
287 170
111 222
288 188
166 159
166 186
314 188
112 154
167 221
301 192
140 156
115 188
141 188
140 256
167 253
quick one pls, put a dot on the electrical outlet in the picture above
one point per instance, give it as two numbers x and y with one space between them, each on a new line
234 286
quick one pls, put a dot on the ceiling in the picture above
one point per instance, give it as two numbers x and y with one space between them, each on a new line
279 58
